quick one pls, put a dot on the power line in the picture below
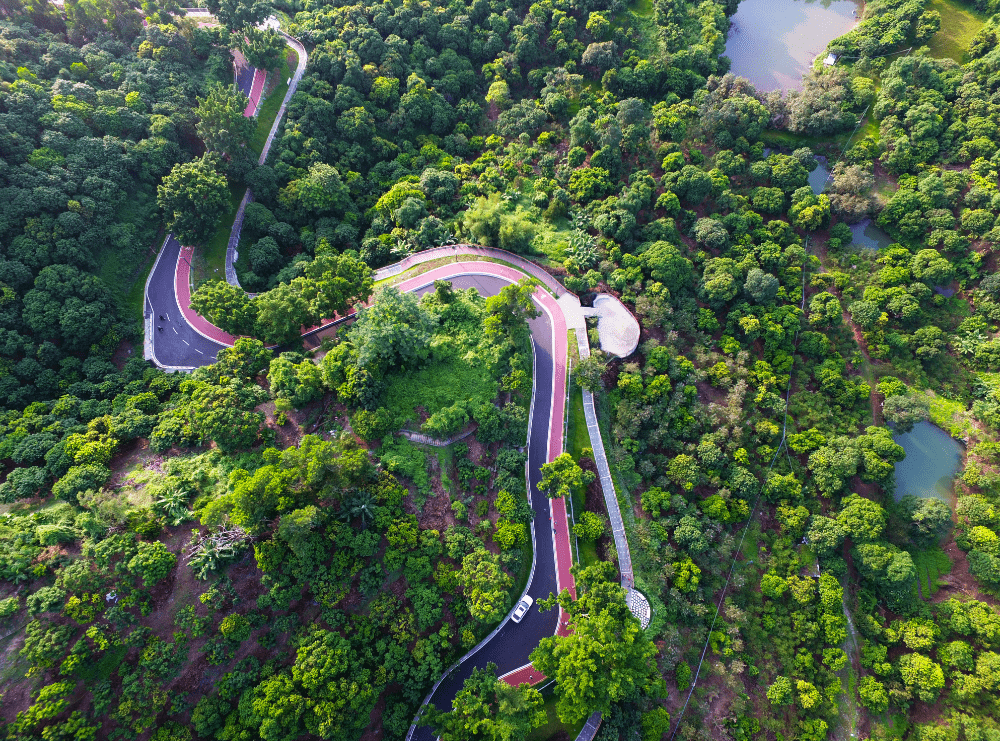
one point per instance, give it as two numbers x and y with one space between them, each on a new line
746 528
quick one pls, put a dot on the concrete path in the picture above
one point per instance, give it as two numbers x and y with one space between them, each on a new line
232 253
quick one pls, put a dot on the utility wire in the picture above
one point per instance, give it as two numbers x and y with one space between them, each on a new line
782 445
746 528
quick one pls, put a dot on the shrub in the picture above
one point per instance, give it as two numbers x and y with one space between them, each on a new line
9 606
509 534
235 628
45 599
372 425
80 478
683 676
590 526
151 563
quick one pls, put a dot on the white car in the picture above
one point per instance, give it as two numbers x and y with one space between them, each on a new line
522 609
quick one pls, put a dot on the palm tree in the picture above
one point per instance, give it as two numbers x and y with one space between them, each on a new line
357 503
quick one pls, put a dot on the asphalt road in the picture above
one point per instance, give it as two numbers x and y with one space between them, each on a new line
512 645
175 343
244 79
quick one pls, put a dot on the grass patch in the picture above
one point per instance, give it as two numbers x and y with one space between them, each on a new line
553 725
404 458
102 669
931 565
439 386
885 187
269 108
642 8
123 266
552 238
446 463
959 24
788 140
950 416
210 261
578 438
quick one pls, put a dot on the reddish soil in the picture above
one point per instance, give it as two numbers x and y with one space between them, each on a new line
477 451
374 730
123 353
436 514
133 455
960 583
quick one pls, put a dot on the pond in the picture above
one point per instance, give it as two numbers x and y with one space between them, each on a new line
932 459
869 235
773 43
819 176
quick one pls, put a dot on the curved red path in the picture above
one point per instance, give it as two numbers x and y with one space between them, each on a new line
182 290
557 507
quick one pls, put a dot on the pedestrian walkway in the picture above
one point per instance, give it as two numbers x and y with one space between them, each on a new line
590 728
182 290
232 254
604 474
638 605
256 90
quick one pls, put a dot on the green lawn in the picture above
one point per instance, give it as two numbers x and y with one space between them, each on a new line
436 387
210 260
124 266
950 416
552 724
959 24
931 564
552 238
270 106
577 438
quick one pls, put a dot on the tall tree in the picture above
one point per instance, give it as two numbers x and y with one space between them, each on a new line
395 331
264 48
488 708
562 475
237 15
226 306
221 124
194 196
485 585
607 658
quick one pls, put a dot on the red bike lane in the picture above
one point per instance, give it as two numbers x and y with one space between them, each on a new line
557 507
256 88
182 290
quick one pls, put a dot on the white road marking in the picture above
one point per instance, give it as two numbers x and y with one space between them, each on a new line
185 342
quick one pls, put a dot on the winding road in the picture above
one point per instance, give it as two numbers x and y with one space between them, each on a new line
177 338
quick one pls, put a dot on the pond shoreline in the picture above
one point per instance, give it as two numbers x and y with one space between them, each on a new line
933 459
775 43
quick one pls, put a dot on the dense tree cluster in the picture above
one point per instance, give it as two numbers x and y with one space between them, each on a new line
608 143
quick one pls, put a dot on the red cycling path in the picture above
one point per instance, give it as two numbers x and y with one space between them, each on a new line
557 507
256 88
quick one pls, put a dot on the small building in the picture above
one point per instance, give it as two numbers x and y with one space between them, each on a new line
831 59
